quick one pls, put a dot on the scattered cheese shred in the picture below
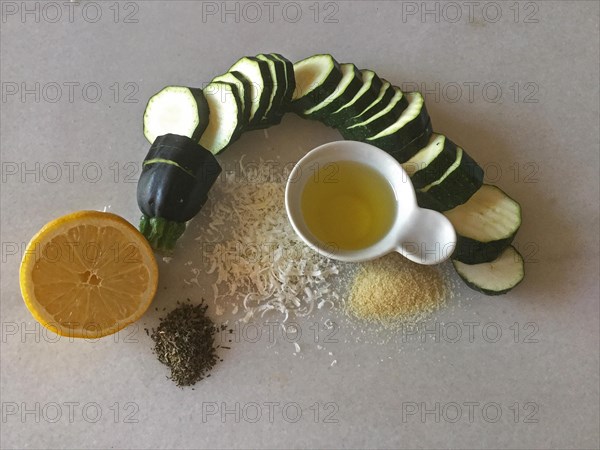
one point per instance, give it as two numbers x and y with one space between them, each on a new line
258 259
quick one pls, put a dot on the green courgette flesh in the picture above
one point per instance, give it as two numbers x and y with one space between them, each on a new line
290 80
368 92
410 125
403 154
456 185
226 108
176 109
376 123
317 77
243 86
431 162
495 277
347 88
274 112
258 73
384 96
485 225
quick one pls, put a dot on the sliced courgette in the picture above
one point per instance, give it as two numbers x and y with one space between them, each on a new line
403 154
274 112
485 225
431 162
386 92
345 91
178 110
290 79
378 122
258 73
317 77
243 86
411 124
225 108
456 185
371 85
495 277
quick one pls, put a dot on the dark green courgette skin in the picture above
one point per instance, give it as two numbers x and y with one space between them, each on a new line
263 101
175 180
481 289
176 190
403 154
351 90
290 79
470 251
274 113
436 168
404 135
339 118
377 125
456 189
225 89
319 93
374 109
247 100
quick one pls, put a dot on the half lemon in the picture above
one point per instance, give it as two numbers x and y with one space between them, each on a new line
88 274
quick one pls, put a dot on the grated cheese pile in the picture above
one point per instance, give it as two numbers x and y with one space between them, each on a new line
257 257
392 290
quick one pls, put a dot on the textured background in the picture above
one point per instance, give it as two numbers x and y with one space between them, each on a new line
516 84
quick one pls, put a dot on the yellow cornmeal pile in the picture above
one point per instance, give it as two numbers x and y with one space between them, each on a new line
392 290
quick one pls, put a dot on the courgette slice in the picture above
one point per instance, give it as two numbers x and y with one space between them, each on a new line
403 154
345 91
274 112
410 124
431 162
371 85
495 277
290 79
378 122
456 185
258 73
485 225
386 92
225 108
317 77
243 86
176 109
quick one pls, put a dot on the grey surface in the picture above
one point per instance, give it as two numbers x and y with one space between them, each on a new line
553 374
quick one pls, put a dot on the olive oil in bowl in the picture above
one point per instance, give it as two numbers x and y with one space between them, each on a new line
348 205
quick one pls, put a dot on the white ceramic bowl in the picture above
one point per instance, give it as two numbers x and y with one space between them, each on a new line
422 235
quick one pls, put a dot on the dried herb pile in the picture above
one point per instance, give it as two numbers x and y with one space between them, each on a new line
185 342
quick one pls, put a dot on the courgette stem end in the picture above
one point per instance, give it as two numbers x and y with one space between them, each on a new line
162 234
